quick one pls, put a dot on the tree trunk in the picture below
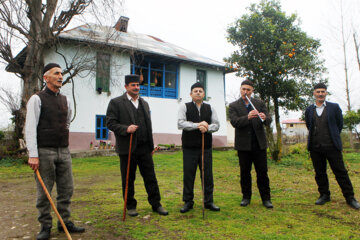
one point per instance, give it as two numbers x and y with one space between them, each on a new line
277 152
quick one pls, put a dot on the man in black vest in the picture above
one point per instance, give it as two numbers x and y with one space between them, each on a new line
128 114
47 136
195 118
250 142
324 121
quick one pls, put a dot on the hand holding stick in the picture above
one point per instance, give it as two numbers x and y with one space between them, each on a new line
262 120
53 205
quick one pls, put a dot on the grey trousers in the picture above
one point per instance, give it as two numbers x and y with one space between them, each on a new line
55 167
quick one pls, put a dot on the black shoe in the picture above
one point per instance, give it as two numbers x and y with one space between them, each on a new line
160 210
212 207
353 203
322 200
268 204
187 206
132 212
71 228
44 233
245 202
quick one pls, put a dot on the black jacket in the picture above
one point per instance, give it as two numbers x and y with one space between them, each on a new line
119 116
239 120
335 122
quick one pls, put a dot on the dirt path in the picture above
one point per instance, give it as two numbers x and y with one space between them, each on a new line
18 214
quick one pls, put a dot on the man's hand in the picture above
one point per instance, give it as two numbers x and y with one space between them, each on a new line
33 163
263 116
202 128
203 123
253 114
132 128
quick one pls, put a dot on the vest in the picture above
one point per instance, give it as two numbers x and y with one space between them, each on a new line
52 130
193 139
140 120
320 135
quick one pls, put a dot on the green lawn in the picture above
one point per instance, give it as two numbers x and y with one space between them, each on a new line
97 199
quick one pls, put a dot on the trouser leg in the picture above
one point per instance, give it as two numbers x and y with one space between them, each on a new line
146 167
208 175
190 162
64 183
245 163
47 158
131 201
260 164
336 163
321 178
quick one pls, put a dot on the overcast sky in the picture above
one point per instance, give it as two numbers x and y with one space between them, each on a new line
200 26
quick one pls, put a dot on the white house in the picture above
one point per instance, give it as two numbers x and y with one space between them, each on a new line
294 127
166 71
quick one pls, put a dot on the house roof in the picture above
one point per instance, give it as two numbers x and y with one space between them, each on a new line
142 43
292 121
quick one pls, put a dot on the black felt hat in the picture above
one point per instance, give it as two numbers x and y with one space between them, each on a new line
50 66
197 85
132 78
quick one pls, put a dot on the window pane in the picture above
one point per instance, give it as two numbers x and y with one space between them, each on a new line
102 71
170 80
98 122
156 79
143 73
104 135
97 133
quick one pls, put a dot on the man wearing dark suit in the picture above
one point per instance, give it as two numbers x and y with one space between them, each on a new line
250 142
126 115
324 121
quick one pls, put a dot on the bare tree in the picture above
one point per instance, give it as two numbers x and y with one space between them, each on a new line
35 25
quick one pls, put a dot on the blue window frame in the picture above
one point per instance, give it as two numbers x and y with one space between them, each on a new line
101 131
157 79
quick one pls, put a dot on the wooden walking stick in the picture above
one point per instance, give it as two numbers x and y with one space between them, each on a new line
53 205
203 181
127 178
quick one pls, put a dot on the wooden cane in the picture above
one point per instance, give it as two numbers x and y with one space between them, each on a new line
203 181
53 205
127 178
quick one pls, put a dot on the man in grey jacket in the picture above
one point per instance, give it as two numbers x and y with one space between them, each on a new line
250 142
47 136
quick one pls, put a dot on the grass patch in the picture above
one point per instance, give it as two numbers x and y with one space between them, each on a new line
98 199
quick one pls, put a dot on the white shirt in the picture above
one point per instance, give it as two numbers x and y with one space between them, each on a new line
319 110
32 120
190 126
134 102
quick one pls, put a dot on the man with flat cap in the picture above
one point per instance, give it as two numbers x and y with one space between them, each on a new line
47 136
250 142
324 121
126 115
195 118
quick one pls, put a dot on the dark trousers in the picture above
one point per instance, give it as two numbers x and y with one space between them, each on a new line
191 159
147 171
258 157
334 156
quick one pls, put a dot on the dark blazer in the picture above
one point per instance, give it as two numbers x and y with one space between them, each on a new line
335 122
239 120
119 116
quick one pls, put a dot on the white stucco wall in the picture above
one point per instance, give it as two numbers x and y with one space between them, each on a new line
163 110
